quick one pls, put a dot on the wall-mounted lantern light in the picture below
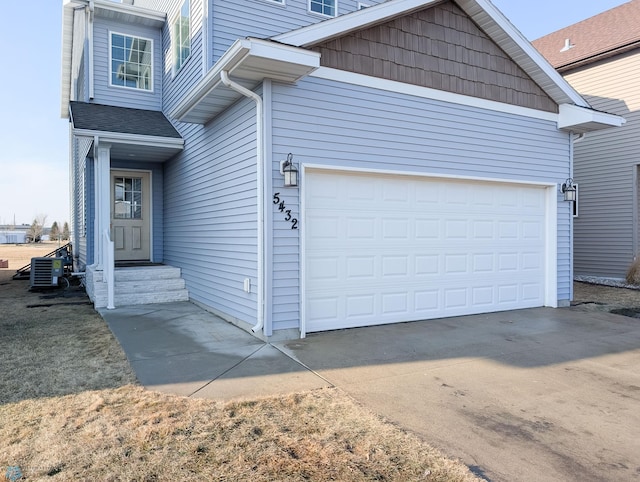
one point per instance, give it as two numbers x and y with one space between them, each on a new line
289 171
569 190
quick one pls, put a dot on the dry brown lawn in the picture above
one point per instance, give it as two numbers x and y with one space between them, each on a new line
70 409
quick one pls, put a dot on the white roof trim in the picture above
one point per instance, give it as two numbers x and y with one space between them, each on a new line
134 139
483 12
429 93
579 119
249 60
509 38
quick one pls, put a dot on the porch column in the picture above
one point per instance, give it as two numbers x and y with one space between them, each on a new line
102 160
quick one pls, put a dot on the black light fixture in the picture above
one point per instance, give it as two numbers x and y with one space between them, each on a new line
569 190
290 172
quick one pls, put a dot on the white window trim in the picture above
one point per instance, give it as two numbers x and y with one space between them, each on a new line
363 5
175 70
280 3
137 89
322 14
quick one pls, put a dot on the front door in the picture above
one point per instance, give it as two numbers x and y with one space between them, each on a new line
130 215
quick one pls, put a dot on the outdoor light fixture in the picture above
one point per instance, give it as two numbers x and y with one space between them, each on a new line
569 190
290 172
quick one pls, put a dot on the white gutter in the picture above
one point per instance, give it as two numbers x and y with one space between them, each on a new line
224 76
136 139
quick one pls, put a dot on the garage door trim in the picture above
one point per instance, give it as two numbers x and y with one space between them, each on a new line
551 199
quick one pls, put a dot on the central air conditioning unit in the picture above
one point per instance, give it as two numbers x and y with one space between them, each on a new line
46 272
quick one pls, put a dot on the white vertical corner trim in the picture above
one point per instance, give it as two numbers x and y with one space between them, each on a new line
303 249
102 161
90 50
205 37
267 98
337 75
551 269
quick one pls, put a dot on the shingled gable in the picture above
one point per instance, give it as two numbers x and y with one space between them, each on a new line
482 12
610 33
439 47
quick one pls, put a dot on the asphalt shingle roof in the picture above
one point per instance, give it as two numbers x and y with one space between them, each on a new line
610 32
107 118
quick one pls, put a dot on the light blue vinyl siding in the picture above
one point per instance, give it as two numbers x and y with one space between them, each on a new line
334 124
210 207
262 18
157 196
177 84
120 96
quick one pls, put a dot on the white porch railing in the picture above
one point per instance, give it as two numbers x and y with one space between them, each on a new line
108 268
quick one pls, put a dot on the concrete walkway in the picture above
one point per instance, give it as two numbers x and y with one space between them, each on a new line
182 349
531 395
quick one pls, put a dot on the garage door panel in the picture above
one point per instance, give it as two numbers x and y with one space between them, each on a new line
382 249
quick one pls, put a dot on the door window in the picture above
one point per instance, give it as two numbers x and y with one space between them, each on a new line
127 198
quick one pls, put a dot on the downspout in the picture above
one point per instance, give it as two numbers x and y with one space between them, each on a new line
224 76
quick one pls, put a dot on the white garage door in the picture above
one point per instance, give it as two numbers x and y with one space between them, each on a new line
384 249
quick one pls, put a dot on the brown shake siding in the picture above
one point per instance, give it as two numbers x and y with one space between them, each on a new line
441 48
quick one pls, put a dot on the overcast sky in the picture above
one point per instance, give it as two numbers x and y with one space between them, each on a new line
34 138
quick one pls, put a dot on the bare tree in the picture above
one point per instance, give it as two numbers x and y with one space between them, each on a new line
34 234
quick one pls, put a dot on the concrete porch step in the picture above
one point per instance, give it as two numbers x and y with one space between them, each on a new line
146 272
139 286
151 297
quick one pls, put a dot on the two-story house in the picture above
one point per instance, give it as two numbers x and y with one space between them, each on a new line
311 165
600 58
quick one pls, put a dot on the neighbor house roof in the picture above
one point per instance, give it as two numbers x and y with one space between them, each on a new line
609 33
107 118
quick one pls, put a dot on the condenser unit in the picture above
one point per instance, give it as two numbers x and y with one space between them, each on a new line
46 272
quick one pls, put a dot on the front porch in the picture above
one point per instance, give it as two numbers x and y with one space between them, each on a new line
137 285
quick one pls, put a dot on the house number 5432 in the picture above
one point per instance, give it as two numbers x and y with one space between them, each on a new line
283 209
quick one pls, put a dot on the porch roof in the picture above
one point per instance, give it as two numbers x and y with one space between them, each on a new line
134 134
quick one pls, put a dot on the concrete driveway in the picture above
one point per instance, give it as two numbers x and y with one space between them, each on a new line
531 395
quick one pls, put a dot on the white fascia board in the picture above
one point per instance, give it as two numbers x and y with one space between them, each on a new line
238 50
234 59
580 119
474 8
429 93
68 8
286 53
133 139
344 24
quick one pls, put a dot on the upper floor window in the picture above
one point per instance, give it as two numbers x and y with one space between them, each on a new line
182 36
131 61
323 7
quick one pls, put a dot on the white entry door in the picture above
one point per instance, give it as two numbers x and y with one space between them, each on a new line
131 215
385 248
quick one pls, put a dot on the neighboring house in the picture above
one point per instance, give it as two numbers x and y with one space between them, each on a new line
430 140
600 58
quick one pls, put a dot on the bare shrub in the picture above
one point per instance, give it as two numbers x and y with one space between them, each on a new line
633 274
